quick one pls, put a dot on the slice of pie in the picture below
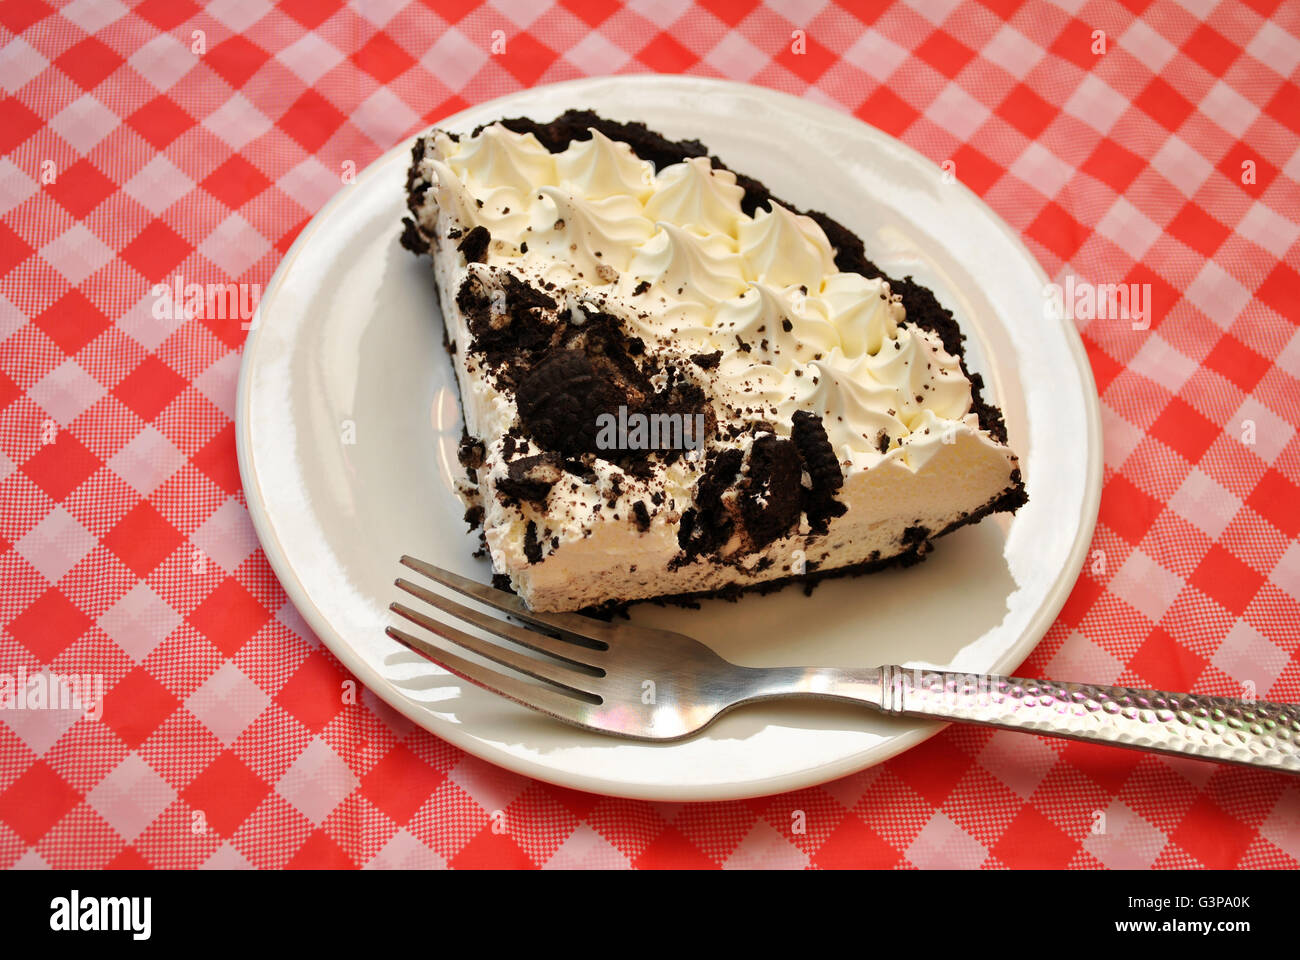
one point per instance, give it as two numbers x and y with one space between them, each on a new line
675 384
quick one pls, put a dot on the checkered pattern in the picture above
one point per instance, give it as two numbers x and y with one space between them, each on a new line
1128 141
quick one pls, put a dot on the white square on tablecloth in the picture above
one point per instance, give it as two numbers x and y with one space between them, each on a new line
1018 762
1146 586
219 382
1129 841
139 621
163 60
15 185
1080 657
158 184
227 702
798 12
1272 432
309 58
384 117
454 59
1286 573
1119 437
594 54
958 112
226 857
227 537
1158 360
1129 229
1182 166
238 15
1217 294
875 54
56 544
93 15
234 246
943 845
66 392
1272 231
662 13
490 787
1096 103
317 781
76 253
1012 51
1229 109
1205 504
522 13
131 796
147 460
19 63
1041 169
39 729
1289 358
1275 48
1247 655
311 183
405 852
1147 46
763 848
587 849
1282 826
736 58
237 122
84 122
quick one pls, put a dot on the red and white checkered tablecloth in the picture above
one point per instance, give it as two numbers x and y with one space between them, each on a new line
1129 141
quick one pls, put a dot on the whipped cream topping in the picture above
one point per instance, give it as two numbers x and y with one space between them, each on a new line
672 253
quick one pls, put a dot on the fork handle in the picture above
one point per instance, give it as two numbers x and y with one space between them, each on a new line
1259 734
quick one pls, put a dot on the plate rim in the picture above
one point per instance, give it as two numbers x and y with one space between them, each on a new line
1042 619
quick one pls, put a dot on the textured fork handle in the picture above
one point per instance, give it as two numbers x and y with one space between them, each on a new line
1260 734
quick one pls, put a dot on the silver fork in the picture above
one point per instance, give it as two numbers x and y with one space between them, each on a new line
651 684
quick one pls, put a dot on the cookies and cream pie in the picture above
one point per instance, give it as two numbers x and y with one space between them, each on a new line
676 384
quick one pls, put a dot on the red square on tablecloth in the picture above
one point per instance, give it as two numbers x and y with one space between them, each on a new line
160 121
226 793
311 120
137 705
1277 500
236 60
853 845
1032 842
36 801
49 625
80 188
143 538
235 182
1226 579
150 387
400 783
229 616
1185 429
1211 836
156 251
89 62
314 694
383 58
60 467
166 14
18 15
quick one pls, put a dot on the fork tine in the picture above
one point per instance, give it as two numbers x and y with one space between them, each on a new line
544 699
583 627
547 670
541 642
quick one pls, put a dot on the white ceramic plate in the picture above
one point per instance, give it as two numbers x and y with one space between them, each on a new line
348 421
